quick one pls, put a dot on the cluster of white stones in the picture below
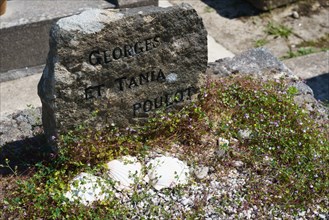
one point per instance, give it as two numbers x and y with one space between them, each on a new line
164 187
162 172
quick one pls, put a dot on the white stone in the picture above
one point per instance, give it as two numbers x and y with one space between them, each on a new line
322 216
201 172
244 134
87 188
187 201
238 163
295 14
124 171
167 172
223 141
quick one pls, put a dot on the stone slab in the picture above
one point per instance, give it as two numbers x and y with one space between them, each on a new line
15 74
19 94
314 70
117 67
22 12
217 51
266 5
309 66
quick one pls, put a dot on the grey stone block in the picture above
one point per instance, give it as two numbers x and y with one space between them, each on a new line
24 45
120 66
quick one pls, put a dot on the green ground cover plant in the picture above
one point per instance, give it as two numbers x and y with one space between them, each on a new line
300 52
278 30
286 153
260 42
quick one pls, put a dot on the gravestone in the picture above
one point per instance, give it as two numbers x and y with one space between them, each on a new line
120 66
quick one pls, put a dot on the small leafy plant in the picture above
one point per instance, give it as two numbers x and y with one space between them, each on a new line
260 42
300 52
278 30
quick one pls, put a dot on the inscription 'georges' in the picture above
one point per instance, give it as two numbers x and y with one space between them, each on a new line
102 57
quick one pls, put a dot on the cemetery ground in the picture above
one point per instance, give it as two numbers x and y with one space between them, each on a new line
265 156
295 30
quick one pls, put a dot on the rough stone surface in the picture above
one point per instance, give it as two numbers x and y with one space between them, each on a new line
20 125
268 4
21 139
136 3
254 61
120 66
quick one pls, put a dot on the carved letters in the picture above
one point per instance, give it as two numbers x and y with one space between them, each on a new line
93 91
123 83
163 101
143 78
106 56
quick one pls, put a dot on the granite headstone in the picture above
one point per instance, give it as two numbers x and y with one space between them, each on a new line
120 66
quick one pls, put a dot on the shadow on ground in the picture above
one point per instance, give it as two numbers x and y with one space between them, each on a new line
320 86
232 8
114 2
18 156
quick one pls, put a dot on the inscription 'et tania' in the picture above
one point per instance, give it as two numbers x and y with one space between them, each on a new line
125 82
103 57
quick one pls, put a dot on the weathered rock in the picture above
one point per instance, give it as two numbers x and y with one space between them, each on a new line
119 66
254 61
20 125
136 3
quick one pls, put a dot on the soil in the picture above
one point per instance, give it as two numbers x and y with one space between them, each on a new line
238 26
